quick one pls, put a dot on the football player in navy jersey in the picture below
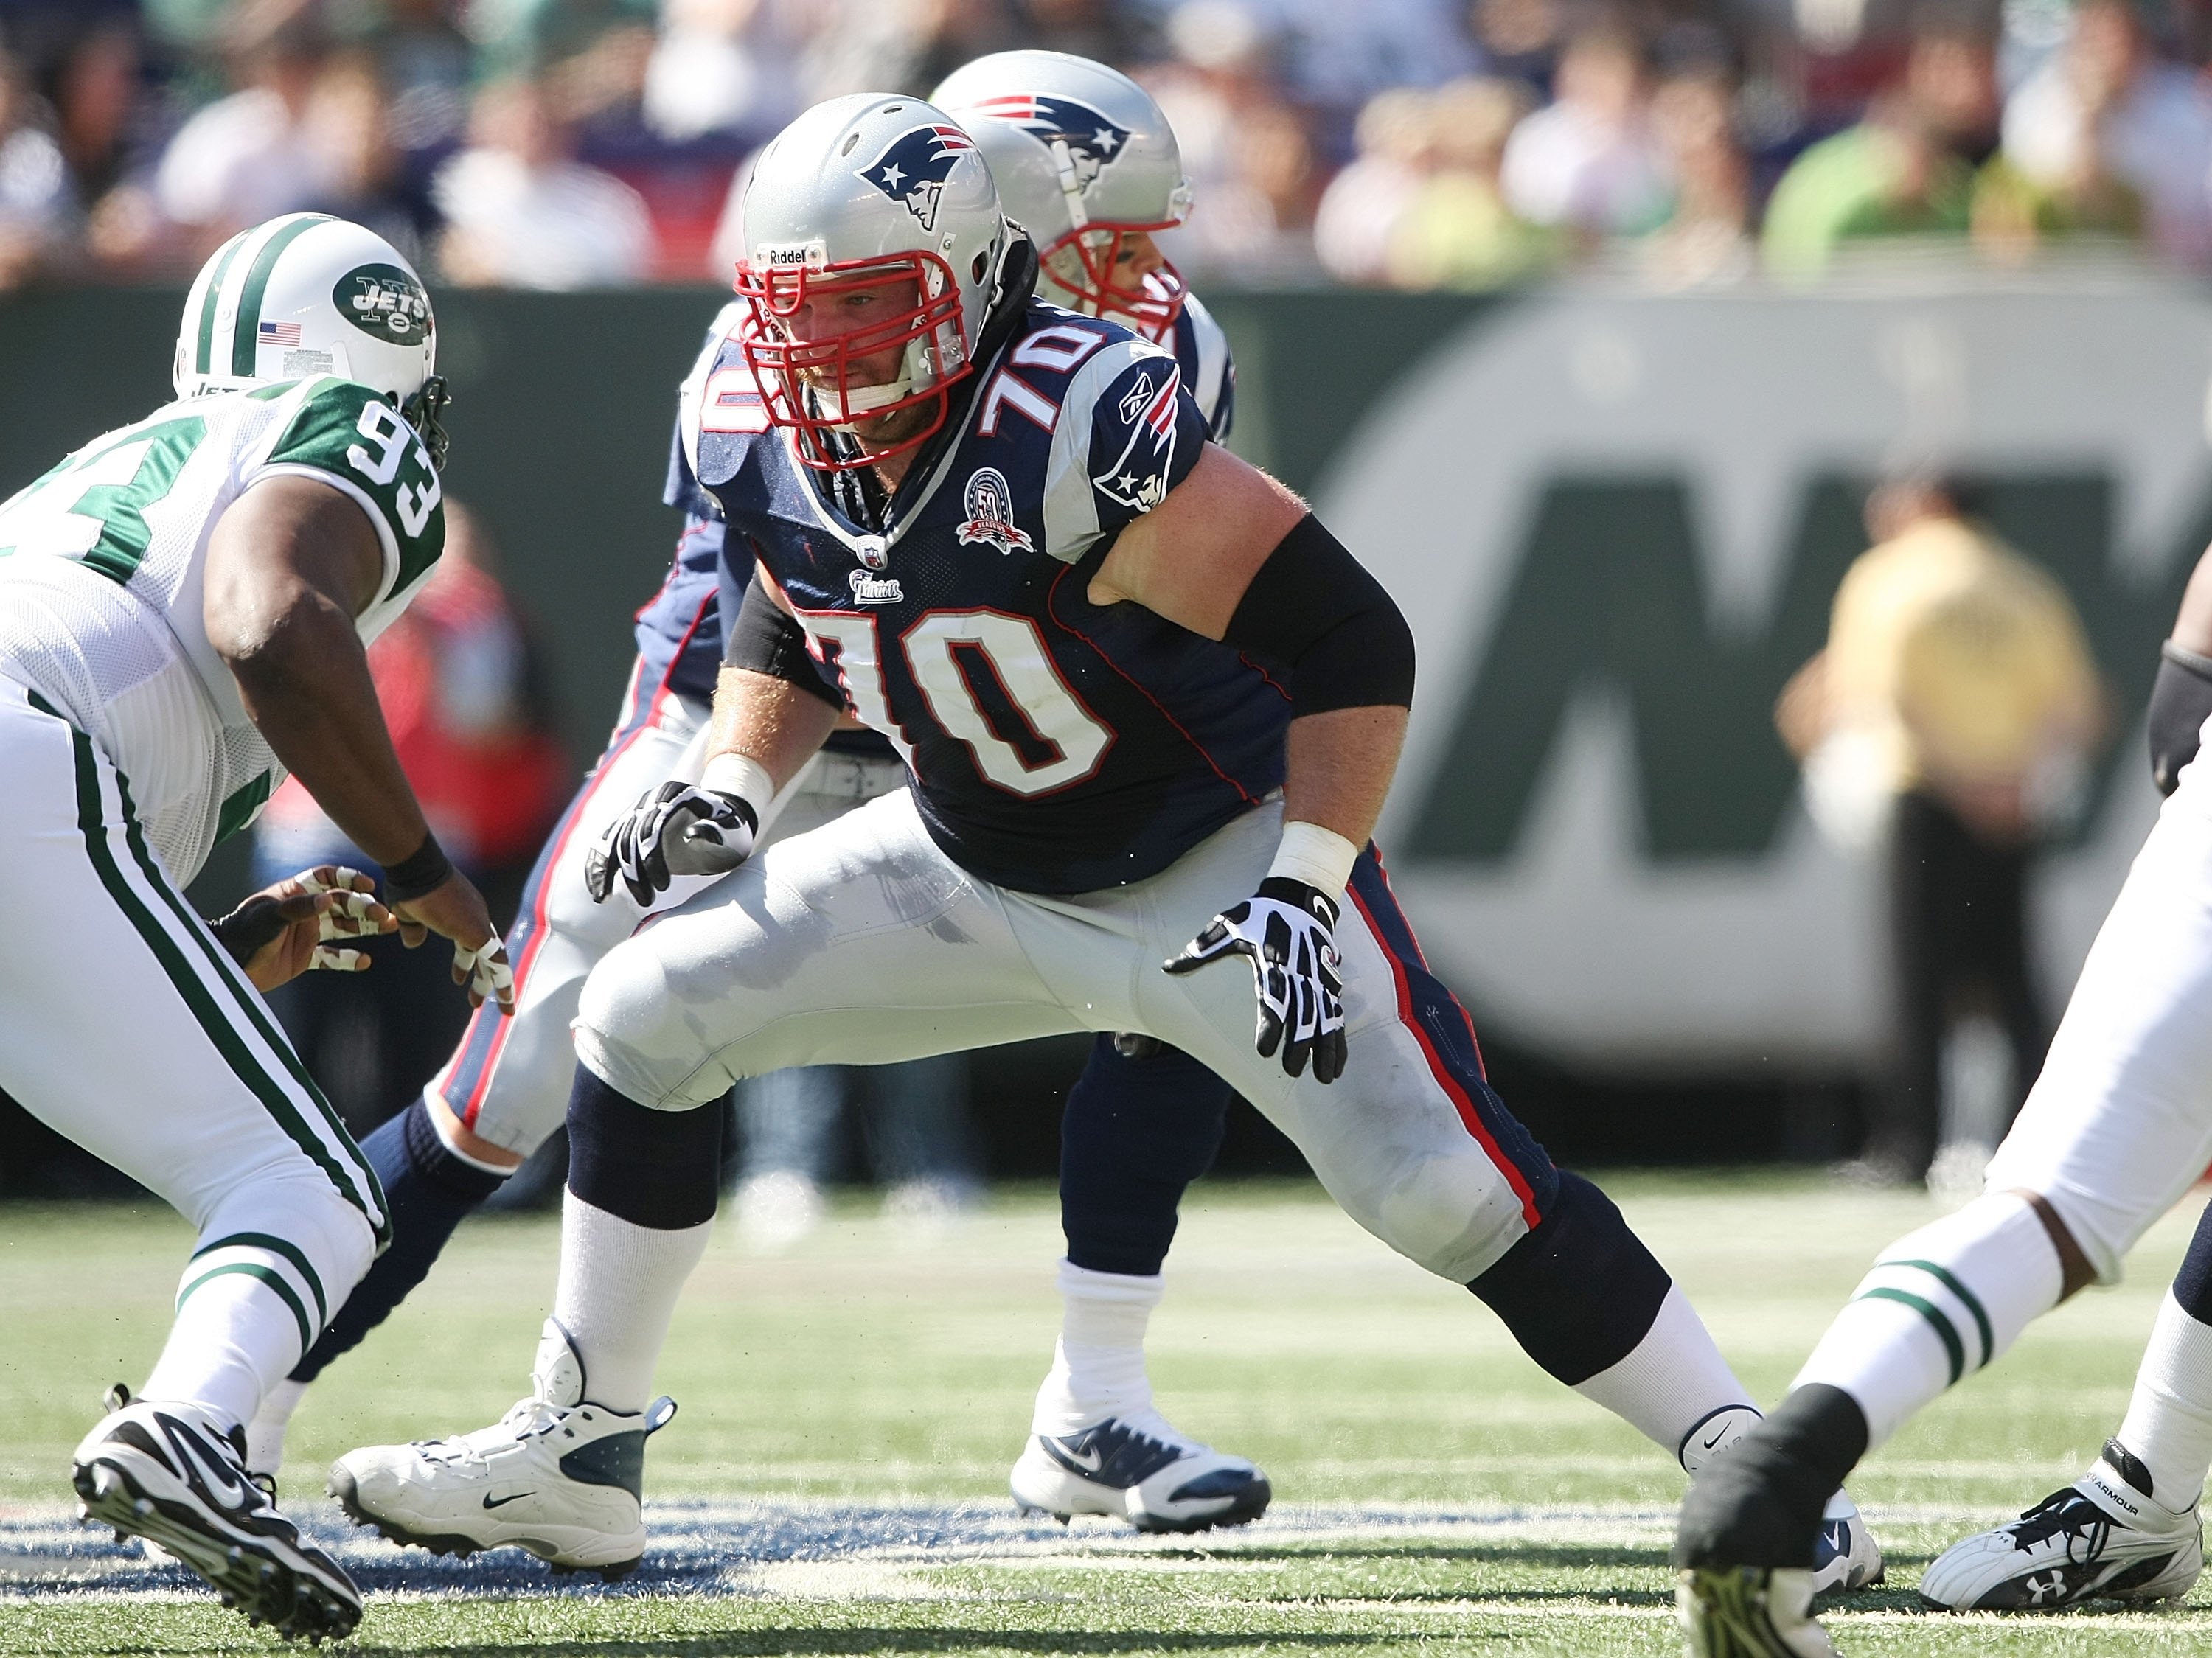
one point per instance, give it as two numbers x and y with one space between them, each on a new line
1086 163
1137 1131
1149 707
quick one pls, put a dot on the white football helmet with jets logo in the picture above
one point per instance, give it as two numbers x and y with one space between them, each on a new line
307 295
867 189
1085 159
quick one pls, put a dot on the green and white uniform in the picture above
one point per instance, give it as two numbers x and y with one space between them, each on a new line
128 754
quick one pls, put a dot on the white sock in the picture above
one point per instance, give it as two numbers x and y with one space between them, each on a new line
234 1339
2169 1420
1098 1365
1671 1380
265 1434
618 1286
1940 1303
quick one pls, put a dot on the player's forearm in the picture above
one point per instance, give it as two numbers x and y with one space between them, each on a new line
1339 767
2192 628
306 684
769 721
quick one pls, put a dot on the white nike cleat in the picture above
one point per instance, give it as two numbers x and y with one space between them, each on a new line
1138 1468
1846 1558
2103 1538
165 1474
556 1475
1750 1612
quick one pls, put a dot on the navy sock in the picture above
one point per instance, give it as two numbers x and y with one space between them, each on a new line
2192 1285
427 1192
1137 1131
1581 1291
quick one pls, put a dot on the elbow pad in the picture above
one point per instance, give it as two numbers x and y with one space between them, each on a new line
1313 609
761 637
2180 702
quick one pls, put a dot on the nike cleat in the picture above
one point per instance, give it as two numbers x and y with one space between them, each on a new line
1139 1469
1846 1555
2103 1538
556 1475
165 1473
1750 1612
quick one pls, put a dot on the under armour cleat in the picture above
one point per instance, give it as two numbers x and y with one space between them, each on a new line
1139 1469
556 1475
164 1472
1750 1612
2103 1538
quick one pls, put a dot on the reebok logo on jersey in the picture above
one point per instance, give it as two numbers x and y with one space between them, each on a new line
990 518
874 589
1094 140
914 167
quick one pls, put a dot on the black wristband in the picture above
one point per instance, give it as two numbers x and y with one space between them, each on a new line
2180 702
421 872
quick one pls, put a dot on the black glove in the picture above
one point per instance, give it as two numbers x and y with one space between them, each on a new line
1288 931
2180 702
678 828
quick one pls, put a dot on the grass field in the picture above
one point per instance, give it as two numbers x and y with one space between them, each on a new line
835 1481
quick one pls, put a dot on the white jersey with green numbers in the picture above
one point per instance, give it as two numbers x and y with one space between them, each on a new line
102 574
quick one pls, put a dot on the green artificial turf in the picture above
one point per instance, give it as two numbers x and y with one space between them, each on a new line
1435 1492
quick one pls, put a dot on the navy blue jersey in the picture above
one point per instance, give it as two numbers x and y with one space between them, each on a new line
1056 746
679 633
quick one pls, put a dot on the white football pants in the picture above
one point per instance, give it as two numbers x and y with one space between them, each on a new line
508 1080
124 1026
861 942
2119 1124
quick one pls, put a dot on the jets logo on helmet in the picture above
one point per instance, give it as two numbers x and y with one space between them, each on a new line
990 519
1094 140
915 166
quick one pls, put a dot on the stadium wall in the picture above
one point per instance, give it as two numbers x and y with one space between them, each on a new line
1615 520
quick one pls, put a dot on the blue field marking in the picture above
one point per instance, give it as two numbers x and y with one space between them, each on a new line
728 1548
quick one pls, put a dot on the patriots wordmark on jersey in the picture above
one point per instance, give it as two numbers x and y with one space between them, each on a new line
1056 745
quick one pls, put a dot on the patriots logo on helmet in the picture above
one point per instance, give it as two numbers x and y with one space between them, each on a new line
915 167
1094 140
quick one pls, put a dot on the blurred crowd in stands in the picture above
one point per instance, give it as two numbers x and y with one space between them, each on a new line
1409 143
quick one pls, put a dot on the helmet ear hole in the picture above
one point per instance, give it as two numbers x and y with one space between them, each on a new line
981 263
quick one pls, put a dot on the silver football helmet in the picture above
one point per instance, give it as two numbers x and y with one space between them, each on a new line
868 192
1085 159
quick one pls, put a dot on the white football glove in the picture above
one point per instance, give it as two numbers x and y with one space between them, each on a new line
678 828
1288 931
353 913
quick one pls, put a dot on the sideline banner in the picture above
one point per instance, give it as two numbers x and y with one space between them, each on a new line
1616 523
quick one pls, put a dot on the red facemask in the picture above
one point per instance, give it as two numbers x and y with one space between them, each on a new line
809 386
1150 307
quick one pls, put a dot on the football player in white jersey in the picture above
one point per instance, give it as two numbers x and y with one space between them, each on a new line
2117 1128
185 605
1087 161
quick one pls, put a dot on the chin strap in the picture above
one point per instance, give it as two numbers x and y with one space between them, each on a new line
424 412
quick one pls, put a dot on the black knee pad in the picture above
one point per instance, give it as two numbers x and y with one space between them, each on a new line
656 1168
1581 1291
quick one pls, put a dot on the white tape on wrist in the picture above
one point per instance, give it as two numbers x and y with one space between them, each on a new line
1320 858
742 775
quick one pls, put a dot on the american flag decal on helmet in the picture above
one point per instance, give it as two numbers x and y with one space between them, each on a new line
280 333
914 167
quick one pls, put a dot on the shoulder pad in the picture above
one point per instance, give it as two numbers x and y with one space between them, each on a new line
1209 373
719 405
